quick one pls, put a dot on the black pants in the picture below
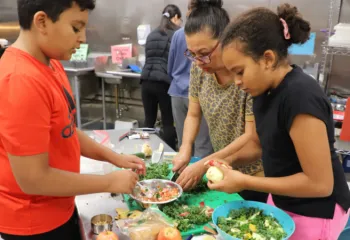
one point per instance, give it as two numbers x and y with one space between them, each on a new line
68 231
154 94
254 196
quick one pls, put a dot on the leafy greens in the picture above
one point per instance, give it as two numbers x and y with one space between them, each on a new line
252 224
187 216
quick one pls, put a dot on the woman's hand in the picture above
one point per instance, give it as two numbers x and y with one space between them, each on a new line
191 176
181 160
212 162
232 182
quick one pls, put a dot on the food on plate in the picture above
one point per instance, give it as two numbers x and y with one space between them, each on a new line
188 216
252 224
156 171
147 150
169 233
214 174
107 235
162 194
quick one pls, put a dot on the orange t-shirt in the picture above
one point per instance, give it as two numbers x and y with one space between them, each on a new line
37 115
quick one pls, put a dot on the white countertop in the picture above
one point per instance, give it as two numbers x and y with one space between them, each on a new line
103 203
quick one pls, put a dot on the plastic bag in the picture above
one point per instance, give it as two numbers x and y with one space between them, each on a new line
103 138
147 226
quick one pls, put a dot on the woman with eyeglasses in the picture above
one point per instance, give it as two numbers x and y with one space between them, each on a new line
227 109
155 79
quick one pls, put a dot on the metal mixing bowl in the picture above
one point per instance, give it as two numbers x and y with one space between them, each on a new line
101 223
153 185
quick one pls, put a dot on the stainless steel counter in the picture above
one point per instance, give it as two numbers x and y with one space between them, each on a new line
124 74
94 204
114 78
103 203
79 71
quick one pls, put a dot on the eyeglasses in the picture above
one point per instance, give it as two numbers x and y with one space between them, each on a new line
204 59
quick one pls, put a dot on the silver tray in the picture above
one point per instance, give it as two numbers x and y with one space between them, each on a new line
153 185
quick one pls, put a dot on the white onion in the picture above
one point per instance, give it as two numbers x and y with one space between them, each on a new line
214 174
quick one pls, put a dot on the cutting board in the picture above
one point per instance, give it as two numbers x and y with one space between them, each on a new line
211 198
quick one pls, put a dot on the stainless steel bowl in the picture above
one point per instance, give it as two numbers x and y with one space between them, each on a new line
101 223
153 185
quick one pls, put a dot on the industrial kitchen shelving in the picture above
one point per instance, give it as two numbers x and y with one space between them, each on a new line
341 51
328 52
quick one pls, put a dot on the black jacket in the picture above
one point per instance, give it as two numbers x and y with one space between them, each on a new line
157 51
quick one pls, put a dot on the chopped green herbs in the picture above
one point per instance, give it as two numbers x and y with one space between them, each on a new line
251 223
157 171
187 216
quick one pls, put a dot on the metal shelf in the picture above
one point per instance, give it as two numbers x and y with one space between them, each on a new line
343 152
329 52
341 51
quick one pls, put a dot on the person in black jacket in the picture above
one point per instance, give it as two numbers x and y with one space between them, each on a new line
154 78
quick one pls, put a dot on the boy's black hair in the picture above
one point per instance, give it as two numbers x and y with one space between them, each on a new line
53 8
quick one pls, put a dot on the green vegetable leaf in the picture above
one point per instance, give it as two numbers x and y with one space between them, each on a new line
157 171
238 224
196 215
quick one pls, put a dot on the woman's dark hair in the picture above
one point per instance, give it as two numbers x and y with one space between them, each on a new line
207 14
53 8
260 29
169 12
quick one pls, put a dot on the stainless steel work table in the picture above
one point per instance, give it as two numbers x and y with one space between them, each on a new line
94 204
124 74
75 72
115 78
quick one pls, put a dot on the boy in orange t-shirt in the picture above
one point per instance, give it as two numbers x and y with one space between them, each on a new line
40 146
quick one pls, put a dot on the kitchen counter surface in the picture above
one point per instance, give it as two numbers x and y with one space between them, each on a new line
103 203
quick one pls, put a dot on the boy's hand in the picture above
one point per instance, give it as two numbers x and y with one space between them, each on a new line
122 181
